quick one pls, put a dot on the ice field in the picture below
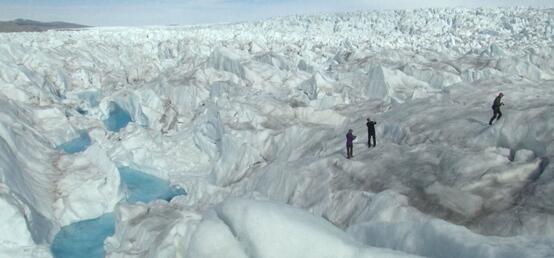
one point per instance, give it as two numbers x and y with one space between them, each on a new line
228 140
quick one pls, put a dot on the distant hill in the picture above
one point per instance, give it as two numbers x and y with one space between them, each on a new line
21 25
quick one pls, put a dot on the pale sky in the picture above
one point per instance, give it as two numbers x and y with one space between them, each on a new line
164 12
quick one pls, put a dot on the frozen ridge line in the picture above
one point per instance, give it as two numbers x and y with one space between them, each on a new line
250 119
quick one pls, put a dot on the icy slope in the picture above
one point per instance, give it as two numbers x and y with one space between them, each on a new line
244 228
259 111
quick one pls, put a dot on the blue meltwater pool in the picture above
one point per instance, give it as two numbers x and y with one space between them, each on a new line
86 238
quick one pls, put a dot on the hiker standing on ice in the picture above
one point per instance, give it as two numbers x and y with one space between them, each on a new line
350 144
371 132
496 108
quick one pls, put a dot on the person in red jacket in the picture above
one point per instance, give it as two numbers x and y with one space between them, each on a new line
350 144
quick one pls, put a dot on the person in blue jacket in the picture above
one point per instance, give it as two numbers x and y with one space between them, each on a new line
350 144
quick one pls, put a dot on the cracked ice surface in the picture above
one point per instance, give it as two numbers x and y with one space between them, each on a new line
250 119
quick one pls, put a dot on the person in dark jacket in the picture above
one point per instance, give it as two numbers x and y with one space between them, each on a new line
371 132
350 144
496 108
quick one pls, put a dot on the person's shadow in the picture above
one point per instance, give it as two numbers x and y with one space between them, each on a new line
473 120
485 124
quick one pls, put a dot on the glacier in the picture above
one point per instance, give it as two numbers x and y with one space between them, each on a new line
246 124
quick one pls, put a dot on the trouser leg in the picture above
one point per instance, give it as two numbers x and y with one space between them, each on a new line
347 152
374 141
495 113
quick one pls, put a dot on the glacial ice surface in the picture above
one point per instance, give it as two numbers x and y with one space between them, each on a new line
250 119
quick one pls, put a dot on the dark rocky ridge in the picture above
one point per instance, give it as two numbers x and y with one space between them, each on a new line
22 25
